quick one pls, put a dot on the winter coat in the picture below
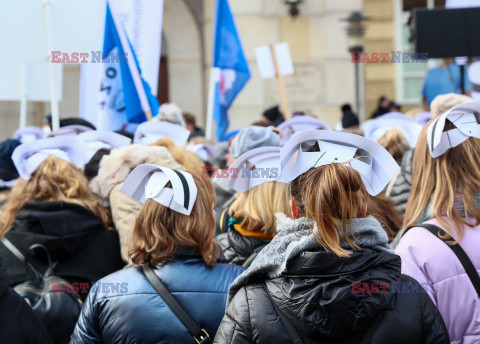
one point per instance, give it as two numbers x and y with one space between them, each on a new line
238 248
326 298
76 239
135 313
399 188
18 322
114 169
427 259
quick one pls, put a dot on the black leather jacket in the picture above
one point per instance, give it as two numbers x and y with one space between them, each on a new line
322 296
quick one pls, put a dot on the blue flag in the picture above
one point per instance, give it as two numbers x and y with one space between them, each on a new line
232 72
136 93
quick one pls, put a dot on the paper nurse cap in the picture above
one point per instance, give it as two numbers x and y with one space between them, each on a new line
298 124
204 151
255 167
28 156
149 181
97 139
28 134
151 131
314 148
376 128
465 121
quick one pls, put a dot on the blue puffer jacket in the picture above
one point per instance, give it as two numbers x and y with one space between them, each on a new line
125 308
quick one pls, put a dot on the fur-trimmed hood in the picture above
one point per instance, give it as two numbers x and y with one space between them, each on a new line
115 167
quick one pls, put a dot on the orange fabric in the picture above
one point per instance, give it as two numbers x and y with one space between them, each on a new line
251 234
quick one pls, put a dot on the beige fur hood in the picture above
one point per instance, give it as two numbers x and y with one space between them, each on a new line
115 168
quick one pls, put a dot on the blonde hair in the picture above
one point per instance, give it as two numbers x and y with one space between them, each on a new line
159 231
395 143
189 160
442 181
52 181
331 195
257 207
444 102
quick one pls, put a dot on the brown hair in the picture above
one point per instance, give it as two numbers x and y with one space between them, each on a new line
395 143
257 206
181 155
53 180
331 195
443 181
159 231
383 209
188 118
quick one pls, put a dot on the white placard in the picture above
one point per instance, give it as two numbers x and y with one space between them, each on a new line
37 81
265 63
74 28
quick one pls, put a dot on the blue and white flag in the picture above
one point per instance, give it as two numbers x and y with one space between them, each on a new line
230 67
126 97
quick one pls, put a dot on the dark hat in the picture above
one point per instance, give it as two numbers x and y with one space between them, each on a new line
274 115
92 167
76 121
346 107
349 119
7 168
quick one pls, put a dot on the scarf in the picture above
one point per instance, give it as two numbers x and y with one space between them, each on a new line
295 236
458 205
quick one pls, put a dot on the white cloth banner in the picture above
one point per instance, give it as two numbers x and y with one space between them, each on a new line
101 100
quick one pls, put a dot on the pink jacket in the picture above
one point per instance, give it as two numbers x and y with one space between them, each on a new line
427 259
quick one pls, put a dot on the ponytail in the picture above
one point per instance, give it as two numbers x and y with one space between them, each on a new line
330 195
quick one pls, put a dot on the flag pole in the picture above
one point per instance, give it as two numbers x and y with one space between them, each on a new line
211 99
53 99
137 79
278 74
23 97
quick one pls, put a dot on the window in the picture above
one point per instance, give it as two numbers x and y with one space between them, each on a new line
409 76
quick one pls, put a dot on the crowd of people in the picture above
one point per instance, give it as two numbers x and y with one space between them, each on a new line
286 232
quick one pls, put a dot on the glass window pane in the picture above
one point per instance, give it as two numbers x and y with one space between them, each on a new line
412 88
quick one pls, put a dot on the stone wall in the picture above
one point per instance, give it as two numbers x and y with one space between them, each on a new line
380 37
324 76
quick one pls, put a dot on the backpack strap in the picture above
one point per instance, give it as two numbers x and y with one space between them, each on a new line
291 330
200 335
459 252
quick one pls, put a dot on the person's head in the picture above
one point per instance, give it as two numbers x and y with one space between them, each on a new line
181 155
346 107
170 112
273 116
257 207
159 231
447 61
251 138
332 196
8 172
190 121
394 107
395 143
444 102
383 102
444 181
349 119
52 181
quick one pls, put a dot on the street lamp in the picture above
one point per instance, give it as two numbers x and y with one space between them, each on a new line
293 4
356 34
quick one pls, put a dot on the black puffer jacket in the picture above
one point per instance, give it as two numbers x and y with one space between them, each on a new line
318 293
237 248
